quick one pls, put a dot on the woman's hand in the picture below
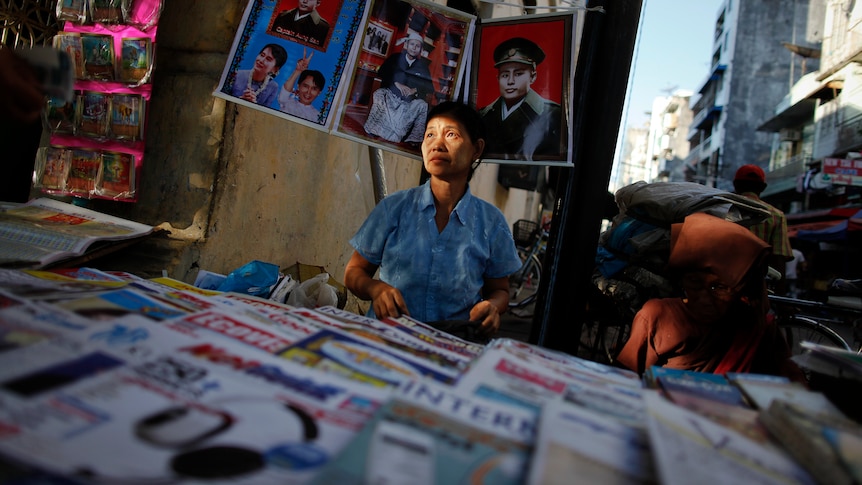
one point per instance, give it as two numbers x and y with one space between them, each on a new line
249 95
487 314
386 300
496 302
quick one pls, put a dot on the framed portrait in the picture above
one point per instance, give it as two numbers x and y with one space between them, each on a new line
296 79
425 55
307 22
521 83
377 39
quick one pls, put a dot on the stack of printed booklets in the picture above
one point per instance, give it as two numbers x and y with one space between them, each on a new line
106 377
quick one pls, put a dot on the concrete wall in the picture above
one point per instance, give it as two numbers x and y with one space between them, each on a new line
233 184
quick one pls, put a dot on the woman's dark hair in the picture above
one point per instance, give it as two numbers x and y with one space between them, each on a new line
278 53
468 117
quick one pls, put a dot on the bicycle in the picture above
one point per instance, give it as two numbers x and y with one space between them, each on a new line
530 241
814 321
607 326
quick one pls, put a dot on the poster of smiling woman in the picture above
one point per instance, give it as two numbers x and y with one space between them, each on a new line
288 57
521 83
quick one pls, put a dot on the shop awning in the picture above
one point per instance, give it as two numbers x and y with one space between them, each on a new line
830 230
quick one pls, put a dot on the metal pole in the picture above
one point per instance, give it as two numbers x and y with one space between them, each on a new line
601 77
378 174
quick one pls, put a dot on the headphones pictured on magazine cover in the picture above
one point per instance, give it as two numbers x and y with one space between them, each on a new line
205 447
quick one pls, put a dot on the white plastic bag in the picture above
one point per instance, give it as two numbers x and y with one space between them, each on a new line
313 293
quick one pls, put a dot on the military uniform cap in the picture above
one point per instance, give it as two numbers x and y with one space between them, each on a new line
518 49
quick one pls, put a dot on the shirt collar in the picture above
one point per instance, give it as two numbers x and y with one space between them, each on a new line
464 209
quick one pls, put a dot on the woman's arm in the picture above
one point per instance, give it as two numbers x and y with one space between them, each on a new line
359 279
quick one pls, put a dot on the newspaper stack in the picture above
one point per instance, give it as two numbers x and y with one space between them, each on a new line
106 378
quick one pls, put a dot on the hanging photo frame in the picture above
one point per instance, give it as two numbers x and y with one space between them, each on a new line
298 78
427 47
521 84
377 39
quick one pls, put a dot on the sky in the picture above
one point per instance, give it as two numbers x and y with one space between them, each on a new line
673 50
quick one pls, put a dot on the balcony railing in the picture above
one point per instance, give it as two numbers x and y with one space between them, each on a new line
794 166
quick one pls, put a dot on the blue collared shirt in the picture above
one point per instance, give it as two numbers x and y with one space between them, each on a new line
440 275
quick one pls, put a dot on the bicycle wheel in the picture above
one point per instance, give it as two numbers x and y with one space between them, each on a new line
524 284
798 329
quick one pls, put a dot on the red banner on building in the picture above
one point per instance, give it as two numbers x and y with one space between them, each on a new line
844 171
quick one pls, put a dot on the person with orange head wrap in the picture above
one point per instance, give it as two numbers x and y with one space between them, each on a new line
719 324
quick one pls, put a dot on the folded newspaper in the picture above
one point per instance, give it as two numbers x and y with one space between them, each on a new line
45 231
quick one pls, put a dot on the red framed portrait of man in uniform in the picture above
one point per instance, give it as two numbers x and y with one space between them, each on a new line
522 81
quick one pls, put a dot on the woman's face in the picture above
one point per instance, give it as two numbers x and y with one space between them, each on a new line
707 298
447 150
265 62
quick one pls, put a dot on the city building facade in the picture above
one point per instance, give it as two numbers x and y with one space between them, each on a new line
750 72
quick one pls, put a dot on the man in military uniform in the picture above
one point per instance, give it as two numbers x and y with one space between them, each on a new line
303 23
521 125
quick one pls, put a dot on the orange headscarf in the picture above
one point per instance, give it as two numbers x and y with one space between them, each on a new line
707 243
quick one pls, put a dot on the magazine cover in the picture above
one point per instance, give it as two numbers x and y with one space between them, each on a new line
114 403
690 448
340 353
521 82
407 442
288 57
580 446
411 56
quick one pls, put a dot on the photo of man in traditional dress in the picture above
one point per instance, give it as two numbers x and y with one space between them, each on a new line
521 123
303 23
399 106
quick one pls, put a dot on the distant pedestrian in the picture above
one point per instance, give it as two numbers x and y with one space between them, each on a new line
750 181
791 275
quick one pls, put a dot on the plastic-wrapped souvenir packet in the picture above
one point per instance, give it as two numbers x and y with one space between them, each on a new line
83 172
52 168
142 14
94 114
106 11
72 11
117 175
70 43
61 116
136 60
127 116
98 57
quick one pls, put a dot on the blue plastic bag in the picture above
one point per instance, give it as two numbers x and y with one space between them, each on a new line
254 278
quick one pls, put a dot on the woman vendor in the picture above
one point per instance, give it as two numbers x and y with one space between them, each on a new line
443 253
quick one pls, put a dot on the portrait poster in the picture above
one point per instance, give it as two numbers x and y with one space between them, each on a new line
521 81
392 86
292 69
